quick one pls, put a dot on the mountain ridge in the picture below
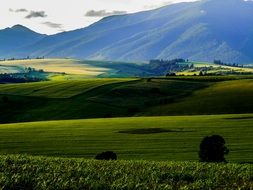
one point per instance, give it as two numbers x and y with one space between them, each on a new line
200 31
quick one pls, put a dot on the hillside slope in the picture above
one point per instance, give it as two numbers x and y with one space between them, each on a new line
174 138
202 30
103 98
15 38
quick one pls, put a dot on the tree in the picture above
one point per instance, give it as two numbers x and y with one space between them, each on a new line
213 149
108 155
171 74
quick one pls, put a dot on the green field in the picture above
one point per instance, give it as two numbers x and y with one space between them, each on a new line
148 119
87 98
56 89
23 172
100 98
223 97
150 138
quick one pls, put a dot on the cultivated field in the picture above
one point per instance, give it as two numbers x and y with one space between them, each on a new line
23 172
68 66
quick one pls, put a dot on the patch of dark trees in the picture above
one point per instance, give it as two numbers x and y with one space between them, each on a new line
24 58
17 78
161 67
31 75
219 62
211 149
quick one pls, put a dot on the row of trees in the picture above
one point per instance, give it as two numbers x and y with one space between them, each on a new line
219 62
164 67
24 58
17 78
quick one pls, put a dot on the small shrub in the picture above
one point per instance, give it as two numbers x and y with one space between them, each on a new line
108 155
213 149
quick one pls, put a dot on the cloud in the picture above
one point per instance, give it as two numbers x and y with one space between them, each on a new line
103 13
36 14
21 10
53 25
18 10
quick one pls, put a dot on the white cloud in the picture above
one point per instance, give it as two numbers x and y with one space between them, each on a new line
103 13
36 14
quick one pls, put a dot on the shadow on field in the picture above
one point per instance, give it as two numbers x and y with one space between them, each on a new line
239 118
153 131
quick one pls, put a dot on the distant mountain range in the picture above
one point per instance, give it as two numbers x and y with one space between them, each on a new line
202 31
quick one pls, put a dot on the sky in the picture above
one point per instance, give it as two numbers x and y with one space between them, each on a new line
54 16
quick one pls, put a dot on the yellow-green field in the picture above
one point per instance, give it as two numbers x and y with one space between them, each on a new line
215 68
68 66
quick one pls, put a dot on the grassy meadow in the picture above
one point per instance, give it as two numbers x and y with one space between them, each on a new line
233 96
103 98
150 138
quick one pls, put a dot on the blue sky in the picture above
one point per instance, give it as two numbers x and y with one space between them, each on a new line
54 16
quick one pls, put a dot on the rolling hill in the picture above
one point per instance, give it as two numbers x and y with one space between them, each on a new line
103 98
203 31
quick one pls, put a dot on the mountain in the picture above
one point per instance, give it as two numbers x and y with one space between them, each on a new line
15 38
200 31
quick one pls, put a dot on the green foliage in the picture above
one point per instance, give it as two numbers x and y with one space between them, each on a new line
24 172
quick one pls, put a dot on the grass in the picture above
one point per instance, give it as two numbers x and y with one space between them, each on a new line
103 98
24 172
56 89
58 100
176 138
222 97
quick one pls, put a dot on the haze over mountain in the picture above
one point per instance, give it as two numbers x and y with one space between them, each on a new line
200 31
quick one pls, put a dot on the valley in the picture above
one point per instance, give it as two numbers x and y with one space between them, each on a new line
142 95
